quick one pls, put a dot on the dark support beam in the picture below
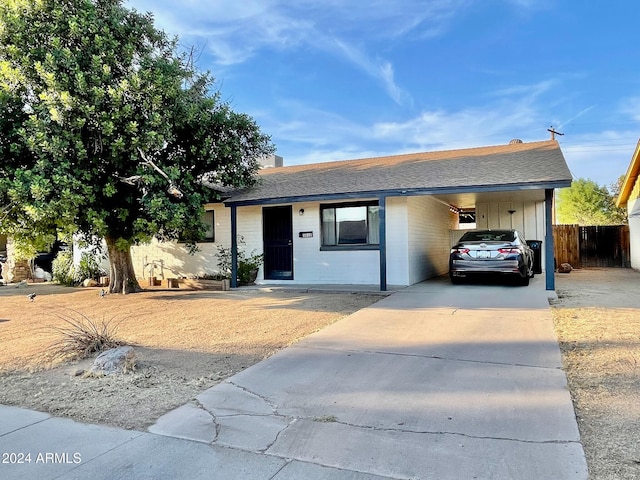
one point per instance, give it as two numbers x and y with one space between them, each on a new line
382 213
549 263
234 246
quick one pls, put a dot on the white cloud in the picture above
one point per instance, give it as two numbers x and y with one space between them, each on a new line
381 70
316 135
233 31
515 113
526 92
576 116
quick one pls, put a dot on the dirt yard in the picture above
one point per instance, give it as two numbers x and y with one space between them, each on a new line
185 341
597 319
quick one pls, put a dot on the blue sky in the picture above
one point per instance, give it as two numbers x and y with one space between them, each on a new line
344 79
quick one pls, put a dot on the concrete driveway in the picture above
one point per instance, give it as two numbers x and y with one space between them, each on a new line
433 382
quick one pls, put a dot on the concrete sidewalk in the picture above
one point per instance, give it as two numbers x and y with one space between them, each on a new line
432 382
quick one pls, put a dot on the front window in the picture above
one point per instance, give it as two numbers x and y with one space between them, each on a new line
208 219
350 225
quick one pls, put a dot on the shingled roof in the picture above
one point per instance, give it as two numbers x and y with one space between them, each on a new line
515 166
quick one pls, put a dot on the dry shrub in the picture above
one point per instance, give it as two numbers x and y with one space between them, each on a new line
81 337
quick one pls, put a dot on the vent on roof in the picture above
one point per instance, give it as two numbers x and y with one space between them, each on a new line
515 140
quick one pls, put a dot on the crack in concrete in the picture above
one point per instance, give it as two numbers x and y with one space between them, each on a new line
272 405
433 357
291 422
249 414
216 425
26 426
274 409
289 461
465 435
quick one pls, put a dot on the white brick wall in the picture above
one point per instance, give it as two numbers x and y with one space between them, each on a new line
430 222
397 242
172 260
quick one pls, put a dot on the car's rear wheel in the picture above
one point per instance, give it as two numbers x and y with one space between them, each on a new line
455 280
524 281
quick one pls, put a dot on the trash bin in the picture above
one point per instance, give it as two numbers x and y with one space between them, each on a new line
536 246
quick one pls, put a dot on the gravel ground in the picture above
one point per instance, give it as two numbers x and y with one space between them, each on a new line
597 320
185 342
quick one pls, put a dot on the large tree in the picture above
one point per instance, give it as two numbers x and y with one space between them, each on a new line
587 203
109 130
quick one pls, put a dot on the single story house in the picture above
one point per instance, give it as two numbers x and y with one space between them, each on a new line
385 221
630 197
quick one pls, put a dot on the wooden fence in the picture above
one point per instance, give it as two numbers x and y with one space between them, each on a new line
592 246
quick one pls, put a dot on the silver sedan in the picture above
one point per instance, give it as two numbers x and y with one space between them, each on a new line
503 252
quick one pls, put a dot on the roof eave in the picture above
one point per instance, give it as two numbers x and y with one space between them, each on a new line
630 177
400 193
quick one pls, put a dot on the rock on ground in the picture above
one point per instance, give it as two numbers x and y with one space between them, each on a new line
120 359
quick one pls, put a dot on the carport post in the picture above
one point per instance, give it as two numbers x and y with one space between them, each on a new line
382 216
234 246
549 263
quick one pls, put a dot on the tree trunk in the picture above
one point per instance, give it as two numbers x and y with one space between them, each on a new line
122 277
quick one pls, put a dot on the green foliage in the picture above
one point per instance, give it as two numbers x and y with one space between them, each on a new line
88 268
65 273
89 91
587 203
26 246
247 264
62 267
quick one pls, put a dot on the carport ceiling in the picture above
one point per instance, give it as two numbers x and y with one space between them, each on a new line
469 200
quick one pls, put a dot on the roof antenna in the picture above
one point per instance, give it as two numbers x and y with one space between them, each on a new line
553 132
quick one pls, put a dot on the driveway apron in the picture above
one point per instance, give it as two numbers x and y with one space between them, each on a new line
432 382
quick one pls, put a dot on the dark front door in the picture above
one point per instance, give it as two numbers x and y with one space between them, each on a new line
277 233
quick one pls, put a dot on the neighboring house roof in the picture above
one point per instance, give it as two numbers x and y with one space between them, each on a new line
630 178
517 166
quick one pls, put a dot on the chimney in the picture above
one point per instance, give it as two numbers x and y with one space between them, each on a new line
271 161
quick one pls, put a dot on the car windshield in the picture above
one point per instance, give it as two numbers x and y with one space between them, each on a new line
488 236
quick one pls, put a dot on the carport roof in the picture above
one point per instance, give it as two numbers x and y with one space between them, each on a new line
517 166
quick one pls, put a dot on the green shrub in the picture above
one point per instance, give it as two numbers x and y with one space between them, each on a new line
88 268
247 264
62 267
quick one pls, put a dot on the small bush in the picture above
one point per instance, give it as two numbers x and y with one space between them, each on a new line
88 268
81 337
246 263
62 267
